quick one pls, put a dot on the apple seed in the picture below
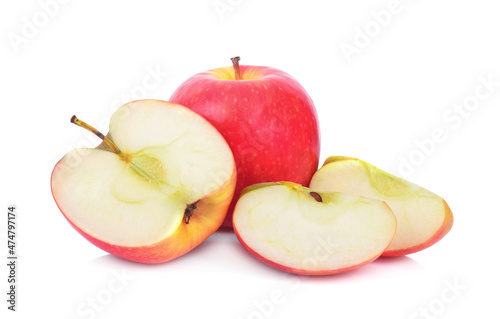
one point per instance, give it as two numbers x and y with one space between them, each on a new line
189 211
316 196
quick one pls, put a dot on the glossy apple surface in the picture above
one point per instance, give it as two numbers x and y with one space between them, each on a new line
423 217
159 188
294 229
267 118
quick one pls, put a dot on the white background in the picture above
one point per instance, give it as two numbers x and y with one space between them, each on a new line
400 86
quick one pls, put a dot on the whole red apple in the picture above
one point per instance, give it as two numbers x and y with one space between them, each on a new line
266 117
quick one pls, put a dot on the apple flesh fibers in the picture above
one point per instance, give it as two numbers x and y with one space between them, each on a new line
423 217
267 118
297 230
161 186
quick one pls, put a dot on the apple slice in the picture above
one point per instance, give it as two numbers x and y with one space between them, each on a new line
423 217
160 186
294 229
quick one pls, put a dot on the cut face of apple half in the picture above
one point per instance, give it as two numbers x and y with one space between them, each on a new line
423 217
301 231
159 187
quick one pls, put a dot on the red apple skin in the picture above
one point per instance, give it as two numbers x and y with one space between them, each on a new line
206 219
266 117
442 231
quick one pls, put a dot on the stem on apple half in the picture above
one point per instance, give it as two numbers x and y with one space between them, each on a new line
236 67
110 143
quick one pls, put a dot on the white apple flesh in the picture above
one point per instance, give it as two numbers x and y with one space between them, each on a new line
294 229
164 187
423 217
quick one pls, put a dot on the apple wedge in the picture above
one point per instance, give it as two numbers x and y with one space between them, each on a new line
158 187
423 217
294 229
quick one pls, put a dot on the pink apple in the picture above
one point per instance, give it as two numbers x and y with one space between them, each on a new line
266 117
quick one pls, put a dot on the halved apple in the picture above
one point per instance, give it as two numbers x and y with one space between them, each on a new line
423 217
158 187
295 229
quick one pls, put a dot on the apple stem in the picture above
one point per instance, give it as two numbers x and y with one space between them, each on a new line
236 67
110 143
